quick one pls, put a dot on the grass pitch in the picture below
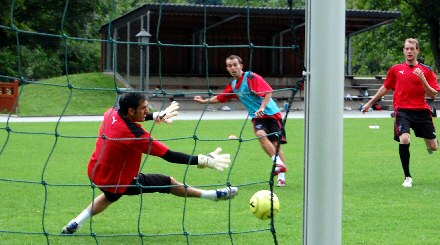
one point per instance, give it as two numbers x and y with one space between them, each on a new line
44 184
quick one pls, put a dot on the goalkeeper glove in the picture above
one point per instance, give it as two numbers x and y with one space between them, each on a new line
215 160
167 114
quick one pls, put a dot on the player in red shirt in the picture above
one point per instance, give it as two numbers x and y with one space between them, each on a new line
256 96
114 166
411 82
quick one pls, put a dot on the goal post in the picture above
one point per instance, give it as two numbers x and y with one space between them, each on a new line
323 156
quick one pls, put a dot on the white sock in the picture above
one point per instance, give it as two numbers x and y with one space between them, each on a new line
282 176
209 194
82 217
278 161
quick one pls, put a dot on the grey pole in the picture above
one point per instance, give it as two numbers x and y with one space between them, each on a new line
147 65
325 33
144 38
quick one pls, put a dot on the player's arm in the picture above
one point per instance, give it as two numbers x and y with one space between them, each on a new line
379 94
180 157
223 97
430 91
260 111
201 100
149 117
213 160
263 89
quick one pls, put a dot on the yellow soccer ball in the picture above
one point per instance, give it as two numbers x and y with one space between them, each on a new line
260 204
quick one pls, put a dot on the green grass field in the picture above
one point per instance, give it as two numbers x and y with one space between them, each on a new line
90 94
44 184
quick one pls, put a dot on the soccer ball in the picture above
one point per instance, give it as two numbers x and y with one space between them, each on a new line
260 204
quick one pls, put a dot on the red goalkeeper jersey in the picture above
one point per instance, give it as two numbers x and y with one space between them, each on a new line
118 154
409 92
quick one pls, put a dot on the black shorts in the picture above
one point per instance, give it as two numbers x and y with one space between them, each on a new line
419 120
272 127
143 183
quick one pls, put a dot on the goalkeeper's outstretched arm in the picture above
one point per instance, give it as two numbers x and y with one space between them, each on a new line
180 158
213 160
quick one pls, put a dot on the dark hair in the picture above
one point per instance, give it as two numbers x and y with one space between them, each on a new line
130 100
233 56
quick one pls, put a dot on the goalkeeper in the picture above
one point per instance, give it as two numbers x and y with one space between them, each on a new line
114 166
256 95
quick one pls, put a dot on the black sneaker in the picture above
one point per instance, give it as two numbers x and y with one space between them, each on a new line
226 193
70 228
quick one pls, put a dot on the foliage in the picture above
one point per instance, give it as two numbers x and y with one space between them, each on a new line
8 61
83 57
83 20
376 57
32 63
51 23
428 11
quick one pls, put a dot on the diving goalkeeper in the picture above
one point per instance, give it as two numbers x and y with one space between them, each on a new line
114 166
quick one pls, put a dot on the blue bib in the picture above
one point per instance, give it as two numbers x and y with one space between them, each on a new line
251 100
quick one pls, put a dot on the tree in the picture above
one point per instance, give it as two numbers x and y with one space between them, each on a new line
414 22
39 26
83 19
429 11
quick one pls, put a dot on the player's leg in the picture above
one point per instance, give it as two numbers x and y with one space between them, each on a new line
281 167
404 153
167 184
402 135
99 204
431 145
181 190
263 127
425 129
270 148
265 143
280 152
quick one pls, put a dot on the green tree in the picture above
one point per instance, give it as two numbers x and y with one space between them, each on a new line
38 27
428 11
377 50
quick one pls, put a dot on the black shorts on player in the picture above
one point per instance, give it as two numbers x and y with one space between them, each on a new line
143 183
420 121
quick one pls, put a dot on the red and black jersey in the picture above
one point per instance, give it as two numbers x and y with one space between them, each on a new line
118 154
409 92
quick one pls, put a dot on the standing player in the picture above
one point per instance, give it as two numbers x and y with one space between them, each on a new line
256 95
411 82
114 166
